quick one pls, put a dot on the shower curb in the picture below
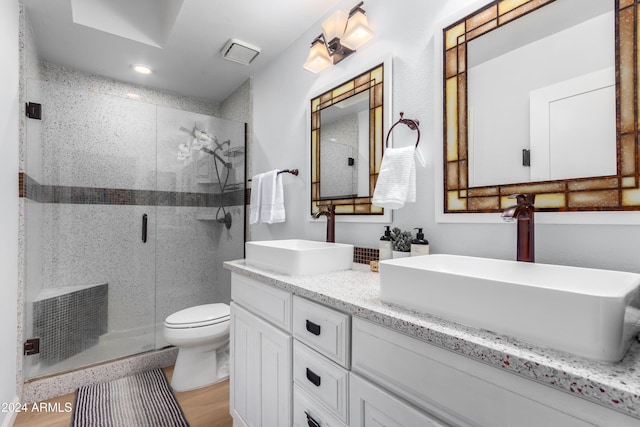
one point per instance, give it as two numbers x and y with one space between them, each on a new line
45 388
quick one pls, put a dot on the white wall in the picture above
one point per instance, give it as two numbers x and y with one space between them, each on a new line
9 196
281 95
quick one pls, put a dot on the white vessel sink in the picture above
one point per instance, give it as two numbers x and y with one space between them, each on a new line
577 310
299 257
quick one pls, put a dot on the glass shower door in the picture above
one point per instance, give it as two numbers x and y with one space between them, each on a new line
130 211
90 174
200 217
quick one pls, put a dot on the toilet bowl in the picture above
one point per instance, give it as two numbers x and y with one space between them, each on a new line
201 334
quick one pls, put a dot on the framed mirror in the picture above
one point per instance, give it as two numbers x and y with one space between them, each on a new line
347 143
540 97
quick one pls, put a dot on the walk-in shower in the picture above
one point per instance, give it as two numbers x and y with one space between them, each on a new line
120 231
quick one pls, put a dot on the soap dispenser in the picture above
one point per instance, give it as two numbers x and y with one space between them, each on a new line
386 245
419 246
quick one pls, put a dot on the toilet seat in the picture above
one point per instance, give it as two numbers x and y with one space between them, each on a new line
198 316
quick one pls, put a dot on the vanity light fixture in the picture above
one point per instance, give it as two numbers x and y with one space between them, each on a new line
341 35
142 69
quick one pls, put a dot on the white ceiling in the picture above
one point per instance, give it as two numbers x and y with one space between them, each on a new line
189 62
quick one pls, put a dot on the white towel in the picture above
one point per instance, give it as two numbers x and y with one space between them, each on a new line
397 179
272 203
256 194
278 213
267 198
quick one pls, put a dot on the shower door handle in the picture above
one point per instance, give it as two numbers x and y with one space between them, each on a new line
144 228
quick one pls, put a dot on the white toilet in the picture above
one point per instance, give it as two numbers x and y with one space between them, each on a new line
201 334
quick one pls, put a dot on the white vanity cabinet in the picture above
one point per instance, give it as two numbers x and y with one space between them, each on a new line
261 354
295 362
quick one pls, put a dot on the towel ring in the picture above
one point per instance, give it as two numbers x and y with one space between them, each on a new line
413 125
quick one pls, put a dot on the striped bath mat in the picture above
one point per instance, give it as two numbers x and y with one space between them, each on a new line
140 400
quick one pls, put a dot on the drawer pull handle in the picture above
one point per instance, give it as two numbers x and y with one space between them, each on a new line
310 421
313 328
313 377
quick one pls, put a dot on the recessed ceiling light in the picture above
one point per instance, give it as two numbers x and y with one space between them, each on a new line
142 69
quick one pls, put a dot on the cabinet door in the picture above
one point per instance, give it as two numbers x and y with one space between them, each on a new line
241 369
261 384
373 407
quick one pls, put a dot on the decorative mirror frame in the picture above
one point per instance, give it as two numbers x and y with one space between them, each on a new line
373 79
619 192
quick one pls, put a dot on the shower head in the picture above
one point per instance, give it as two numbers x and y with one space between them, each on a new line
214 154
220 145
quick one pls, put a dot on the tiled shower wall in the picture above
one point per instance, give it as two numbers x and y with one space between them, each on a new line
339 141
102 162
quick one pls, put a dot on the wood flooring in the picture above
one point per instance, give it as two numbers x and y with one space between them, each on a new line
204 407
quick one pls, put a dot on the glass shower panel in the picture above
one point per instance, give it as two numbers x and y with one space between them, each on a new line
90 178
200 216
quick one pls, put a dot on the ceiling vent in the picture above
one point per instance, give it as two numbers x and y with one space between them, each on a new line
239 51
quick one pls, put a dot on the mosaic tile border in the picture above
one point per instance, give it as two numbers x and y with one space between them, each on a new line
365 255
31 189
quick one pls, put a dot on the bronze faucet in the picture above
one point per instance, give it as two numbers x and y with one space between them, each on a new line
523 212
330 213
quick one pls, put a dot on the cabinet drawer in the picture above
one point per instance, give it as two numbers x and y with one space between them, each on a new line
464 392
270 303
371 406
326 330
307 412
327 382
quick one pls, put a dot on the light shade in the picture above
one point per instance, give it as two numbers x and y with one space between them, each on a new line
357 32
335 25
318 58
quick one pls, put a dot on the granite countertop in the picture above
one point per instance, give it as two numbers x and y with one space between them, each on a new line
357 292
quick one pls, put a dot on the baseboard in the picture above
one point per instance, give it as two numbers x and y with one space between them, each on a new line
11 415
